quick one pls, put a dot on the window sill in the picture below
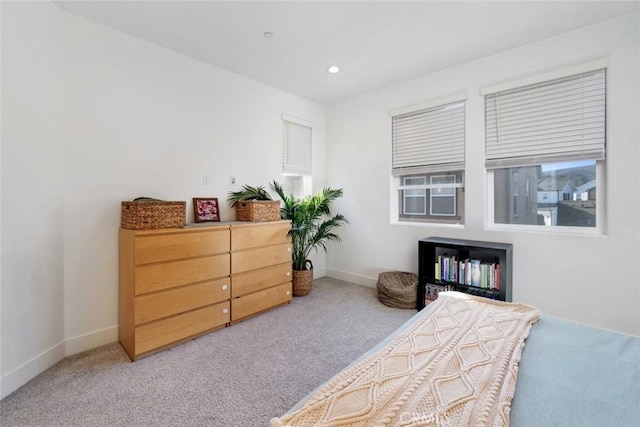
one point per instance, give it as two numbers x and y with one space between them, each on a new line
556 230
428 224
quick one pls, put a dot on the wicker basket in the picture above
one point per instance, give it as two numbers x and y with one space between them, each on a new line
145 215
397 289
302 281
258 210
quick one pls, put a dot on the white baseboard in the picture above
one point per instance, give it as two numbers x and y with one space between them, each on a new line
24 373
353 278
91 340
319 272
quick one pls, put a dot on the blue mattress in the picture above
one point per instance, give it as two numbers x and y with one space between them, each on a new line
570 375
574 375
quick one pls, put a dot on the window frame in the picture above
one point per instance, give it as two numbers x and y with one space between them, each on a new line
404 195
600 228
452 195
515 191
527 195
399 217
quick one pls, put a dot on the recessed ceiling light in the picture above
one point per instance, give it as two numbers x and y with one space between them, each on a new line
333 69
267 35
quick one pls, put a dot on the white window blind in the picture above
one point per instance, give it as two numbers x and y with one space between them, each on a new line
553 121
296 153
429 140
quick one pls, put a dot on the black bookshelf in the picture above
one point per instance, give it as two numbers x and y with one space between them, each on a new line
489 252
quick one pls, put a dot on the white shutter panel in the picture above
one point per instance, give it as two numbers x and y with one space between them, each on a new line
553 121
297 149
429 140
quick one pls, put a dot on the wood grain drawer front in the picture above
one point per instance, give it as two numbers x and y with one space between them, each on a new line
260 258
175 301
255 280
166 331
167 247
260 301
156 277
251 236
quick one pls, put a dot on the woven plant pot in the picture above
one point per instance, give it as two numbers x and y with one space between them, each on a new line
302 281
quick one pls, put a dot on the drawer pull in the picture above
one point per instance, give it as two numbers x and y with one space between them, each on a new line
225 287
288 249
225 310
288 293
288 273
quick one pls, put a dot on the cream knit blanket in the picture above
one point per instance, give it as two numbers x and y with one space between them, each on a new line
455 366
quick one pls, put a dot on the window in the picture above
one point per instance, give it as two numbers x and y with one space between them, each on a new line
428 162
443 199
415 201
296 156
552 136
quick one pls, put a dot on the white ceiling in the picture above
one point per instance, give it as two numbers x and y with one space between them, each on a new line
375 43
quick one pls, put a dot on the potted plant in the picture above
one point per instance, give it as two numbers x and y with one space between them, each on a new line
248 193
254 204
312 227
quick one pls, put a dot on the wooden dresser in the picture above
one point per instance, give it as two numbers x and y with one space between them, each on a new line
176 283
260 267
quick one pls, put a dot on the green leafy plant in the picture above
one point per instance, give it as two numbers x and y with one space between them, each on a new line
248 193
312 224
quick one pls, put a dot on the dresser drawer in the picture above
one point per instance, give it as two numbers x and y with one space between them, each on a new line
156 277
259 258
260 301
251 236
166 331
255 280
167 303
166 247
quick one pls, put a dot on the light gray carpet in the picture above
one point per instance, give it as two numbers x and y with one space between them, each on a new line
239 376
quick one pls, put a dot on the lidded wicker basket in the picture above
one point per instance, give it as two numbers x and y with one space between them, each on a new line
258 210
150 214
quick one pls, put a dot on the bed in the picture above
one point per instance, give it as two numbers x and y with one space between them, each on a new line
496 364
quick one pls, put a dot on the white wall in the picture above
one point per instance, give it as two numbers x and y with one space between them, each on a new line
141 120
112 118
32 191
588 279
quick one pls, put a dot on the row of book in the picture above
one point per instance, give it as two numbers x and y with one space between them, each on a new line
469 272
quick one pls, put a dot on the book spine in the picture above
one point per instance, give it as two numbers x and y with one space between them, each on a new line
453 277
475 272
467 272
445 269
